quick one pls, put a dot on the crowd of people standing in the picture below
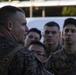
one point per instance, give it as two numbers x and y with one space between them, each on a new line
22 52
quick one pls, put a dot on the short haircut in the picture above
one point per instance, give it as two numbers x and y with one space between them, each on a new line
35 30
8 12
69 21
51 24
38 43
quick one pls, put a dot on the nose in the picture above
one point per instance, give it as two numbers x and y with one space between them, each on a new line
26 29
50 34
33 38
69 32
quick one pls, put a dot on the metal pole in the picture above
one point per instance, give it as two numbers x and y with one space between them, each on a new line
31 9
9 0
43 12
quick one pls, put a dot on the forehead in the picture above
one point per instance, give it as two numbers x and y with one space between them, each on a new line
51 28
70 26
21 16
37 47
33 33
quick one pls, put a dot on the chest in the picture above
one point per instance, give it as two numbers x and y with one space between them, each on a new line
65 65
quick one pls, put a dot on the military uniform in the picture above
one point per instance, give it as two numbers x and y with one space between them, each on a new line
24 61
61 63
59 47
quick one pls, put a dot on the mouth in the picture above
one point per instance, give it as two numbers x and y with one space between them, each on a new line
68 39
49 40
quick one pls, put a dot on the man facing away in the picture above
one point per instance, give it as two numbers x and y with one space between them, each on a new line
12 33
63 62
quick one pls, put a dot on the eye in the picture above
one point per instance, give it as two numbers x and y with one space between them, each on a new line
47 32
54 32
40 53
73 30
30 36
66 30
36 38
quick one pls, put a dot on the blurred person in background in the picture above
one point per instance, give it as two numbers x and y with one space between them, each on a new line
39 49
51 37
63 62
32 34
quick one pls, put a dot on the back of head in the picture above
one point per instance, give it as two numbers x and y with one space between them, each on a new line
69 21
35 30
51 24
7 13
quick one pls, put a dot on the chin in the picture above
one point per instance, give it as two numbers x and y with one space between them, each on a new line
21 42
50 43
69 43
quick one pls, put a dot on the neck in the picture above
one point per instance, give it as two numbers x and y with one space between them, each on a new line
70 49
25 45
5 33
51 48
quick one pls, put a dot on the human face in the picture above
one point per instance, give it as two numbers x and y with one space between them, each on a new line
20 27
69 34
51 35
39 52
31 37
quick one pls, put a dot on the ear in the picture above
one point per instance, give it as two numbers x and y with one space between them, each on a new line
62 33
42 33
62 38
9 25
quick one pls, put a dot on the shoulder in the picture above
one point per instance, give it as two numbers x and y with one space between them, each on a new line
60 47
57 55
25 54
46 72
